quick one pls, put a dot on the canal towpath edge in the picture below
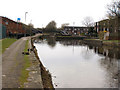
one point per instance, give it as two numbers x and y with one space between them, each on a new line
12 63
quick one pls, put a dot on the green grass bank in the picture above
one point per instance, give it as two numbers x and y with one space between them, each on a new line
6 43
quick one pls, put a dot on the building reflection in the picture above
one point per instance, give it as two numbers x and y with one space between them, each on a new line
108 51
71 42
110 63
101 50
111 67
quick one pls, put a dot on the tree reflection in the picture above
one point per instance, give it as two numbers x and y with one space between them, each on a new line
71 42
51 41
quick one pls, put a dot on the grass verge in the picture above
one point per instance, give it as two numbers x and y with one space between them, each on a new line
0 47
6 43
115 41
27 64
93 39
112 41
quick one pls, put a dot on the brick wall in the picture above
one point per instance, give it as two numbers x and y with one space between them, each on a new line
12 26
112 26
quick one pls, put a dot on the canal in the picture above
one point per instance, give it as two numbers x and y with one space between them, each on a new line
73 64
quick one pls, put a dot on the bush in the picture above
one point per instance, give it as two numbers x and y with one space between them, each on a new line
101 35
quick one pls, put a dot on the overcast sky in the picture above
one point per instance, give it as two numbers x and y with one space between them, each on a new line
41 12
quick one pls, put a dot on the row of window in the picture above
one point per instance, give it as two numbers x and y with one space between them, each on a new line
76 29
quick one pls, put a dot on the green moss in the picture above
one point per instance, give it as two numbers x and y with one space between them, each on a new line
27 64
6 43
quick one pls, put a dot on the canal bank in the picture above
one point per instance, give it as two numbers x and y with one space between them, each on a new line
98 42
31 73
45 74
21 68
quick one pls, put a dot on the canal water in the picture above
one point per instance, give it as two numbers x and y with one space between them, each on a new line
73 64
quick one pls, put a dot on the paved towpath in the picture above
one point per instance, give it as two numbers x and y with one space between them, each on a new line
12 63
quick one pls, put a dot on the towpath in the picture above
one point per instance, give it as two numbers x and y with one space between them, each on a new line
12 64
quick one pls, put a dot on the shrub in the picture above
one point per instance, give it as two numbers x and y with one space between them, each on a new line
101 35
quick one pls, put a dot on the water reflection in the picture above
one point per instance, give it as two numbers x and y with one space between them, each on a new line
111 67
111 52
77 65
51 41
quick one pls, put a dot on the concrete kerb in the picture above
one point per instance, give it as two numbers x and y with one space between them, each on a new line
35 78
44 73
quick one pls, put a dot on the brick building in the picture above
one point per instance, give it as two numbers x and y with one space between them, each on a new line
110 27
12 27
74 30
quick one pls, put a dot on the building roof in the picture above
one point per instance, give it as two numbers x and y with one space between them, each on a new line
8 19
76 26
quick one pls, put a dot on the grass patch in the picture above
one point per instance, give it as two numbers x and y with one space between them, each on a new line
27 64
0 47
6 43
116 41
26 46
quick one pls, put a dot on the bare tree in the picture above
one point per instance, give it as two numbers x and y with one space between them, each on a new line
88 22
113 9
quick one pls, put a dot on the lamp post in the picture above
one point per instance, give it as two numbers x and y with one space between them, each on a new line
25 23
31 27
25 16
